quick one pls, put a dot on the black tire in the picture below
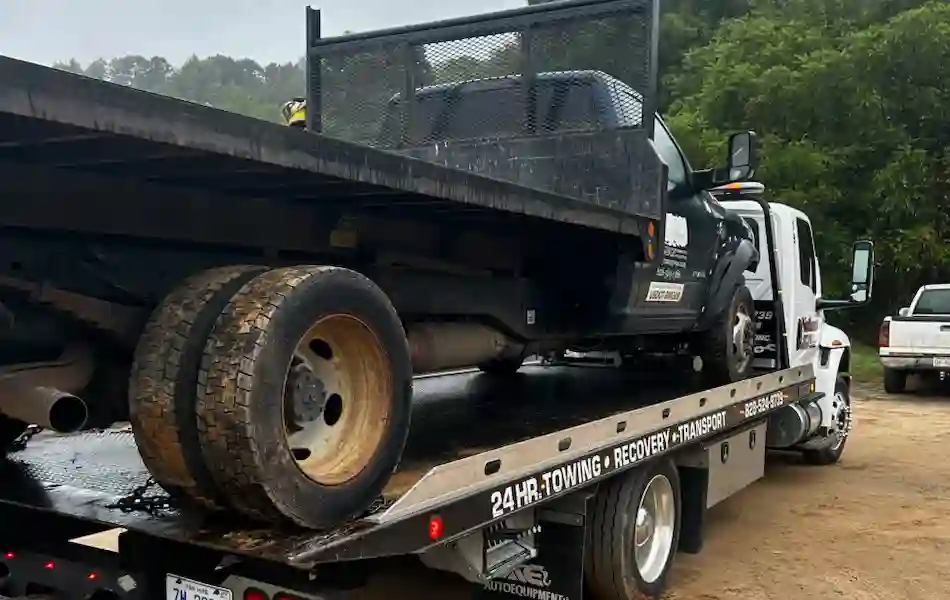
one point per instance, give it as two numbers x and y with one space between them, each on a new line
10 430
723 362
895 382
831 453
164 378
502 367
241 407
610 568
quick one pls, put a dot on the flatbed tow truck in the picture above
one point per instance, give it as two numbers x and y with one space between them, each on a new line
554 482
561 483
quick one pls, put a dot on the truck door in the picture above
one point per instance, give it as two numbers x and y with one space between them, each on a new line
804 323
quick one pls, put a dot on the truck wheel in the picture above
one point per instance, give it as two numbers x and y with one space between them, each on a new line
304 406
728 348
895 382
831 448
164 378
634 532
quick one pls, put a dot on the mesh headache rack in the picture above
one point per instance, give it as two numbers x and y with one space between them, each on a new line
551 96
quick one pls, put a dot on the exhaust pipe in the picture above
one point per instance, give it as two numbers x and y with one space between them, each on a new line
441 346
49 408
44 393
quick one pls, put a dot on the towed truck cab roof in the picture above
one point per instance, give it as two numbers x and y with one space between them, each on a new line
488 107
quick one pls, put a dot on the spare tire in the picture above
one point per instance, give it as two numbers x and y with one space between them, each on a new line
164 377
305 401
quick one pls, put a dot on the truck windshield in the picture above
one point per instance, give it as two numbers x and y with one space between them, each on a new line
495 111
933 302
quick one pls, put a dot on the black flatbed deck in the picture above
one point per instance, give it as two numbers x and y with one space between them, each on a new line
462 423
55 119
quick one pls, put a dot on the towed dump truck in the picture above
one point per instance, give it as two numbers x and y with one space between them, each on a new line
271 309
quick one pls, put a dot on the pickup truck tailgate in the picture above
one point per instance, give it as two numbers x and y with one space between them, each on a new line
920 335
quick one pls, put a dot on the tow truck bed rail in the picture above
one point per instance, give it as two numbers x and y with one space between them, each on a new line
543 435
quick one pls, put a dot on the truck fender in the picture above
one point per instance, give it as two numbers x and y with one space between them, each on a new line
726 277
834 361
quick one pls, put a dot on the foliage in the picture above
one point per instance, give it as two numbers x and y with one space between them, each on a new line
237 85
848 97
848 101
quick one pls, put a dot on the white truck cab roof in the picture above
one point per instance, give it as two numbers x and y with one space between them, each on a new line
732 192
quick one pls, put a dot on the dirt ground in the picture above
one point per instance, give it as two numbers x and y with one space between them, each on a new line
873 527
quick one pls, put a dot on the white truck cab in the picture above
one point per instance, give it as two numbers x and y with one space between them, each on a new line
792 330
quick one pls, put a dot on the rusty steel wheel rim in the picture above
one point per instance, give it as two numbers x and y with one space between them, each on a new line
336 399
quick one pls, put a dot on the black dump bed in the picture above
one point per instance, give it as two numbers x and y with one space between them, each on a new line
50 118
472 441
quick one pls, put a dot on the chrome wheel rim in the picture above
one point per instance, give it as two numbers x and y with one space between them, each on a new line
841 422
653 531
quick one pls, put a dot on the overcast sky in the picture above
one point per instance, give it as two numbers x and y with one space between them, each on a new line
45 31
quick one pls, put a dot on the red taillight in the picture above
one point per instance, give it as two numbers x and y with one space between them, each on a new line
435 527
9 555
255 594
884 337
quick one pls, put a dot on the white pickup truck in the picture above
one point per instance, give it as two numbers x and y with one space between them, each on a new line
917 340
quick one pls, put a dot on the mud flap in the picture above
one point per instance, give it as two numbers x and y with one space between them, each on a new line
557 573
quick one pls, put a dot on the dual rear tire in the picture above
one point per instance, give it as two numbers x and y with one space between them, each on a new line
283 394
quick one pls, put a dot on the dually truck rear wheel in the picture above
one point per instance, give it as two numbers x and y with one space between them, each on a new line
304 404
634 531
164 377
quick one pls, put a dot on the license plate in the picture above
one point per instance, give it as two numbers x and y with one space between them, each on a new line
180 588
941 362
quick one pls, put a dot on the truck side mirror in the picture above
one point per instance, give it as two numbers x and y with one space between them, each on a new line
740 164
862 271
743 156
904 311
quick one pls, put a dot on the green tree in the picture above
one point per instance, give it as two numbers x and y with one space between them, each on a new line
848 102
